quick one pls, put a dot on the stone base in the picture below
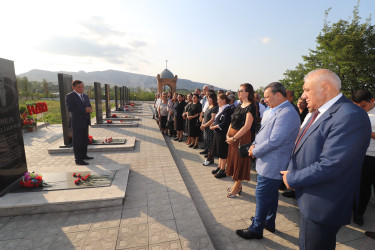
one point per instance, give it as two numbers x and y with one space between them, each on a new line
126 112
133 118
67 200
129 145
116 123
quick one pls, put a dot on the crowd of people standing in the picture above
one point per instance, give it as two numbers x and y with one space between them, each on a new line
312 149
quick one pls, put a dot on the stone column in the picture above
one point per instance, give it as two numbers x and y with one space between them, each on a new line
12 151
98 102
65 87
107 101
121 97
116 97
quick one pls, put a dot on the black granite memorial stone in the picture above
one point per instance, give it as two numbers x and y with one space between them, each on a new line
116 97
107 101
126 95
12 151
98 102
122 97
65 87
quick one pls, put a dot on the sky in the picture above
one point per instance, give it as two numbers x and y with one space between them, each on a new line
222 43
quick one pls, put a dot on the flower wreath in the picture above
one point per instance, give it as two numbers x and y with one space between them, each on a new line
31 179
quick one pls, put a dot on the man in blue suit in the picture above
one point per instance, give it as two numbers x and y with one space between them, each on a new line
272 148
325 167
79 106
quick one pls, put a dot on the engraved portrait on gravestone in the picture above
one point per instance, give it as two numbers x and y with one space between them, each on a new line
7 94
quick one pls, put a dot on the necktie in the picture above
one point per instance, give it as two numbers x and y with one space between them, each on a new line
83 99
307 127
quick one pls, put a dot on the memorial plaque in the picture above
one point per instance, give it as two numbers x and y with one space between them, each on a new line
116 98
65 87
107 101
98 102
12 151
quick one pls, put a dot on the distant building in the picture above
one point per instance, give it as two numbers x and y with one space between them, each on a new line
166 78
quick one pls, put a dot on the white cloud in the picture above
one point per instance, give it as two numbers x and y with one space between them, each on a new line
266 40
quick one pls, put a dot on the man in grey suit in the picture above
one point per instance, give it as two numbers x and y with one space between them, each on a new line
272 148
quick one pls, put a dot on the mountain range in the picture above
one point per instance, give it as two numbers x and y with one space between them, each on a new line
112 77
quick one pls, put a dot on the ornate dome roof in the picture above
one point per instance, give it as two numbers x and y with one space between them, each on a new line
166 74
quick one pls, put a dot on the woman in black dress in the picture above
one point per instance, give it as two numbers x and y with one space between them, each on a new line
189 101
208 119
302 108
179 119
220 126
193 114
241 131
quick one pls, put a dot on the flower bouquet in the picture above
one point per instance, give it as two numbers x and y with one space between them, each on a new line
114 116
91 139
109 121
31 179
80 179
27 121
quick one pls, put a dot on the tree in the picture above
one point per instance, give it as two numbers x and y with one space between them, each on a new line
345 47
45 87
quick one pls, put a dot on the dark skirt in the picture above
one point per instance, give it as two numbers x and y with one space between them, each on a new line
238 167
179 123
220 147
163 122
194 129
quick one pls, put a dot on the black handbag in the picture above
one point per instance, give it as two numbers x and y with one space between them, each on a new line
243 149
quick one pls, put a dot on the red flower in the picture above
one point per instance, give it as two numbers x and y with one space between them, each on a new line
114 116
109 121
75 175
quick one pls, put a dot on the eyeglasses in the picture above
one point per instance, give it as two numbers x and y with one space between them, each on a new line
243 90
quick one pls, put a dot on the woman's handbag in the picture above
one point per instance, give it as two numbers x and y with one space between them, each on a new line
243 149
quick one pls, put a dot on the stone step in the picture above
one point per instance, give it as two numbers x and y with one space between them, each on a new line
67 200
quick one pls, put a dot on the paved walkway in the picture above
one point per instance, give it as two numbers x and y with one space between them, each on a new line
172 202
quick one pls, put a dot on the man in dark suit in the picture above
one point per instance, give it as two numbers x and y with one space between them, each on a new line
79 107
325 167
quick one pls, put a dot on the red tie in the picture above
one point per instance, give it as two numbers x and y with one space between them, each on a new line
308 125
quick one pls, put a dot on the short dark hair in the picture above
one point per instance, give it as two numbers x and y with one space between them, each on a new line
195 94
362 95
276 87
76 82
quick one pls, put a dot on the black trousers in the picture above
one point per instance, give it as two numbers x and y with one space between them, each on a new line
80 142
367 181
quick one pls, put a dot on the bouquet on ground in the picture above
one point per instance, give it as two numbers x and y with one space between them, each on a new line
109 121
91 139
80 178
31 179
114 116
27 121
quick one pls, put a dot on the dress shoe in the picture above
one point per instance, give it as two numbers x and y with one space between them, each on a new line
88 158
221 174
180 140
205 156
215 171
201 147
81 163
207 162
191 145
370 234
358 219
289 194
247 234
195 147
270 229
282 186
176 139
203 152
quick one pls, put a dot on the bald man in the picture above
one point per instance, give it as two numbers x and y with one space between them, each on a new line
325 167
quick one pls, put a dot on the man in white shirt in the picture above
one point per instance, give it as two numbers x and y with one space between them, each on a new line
365 100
